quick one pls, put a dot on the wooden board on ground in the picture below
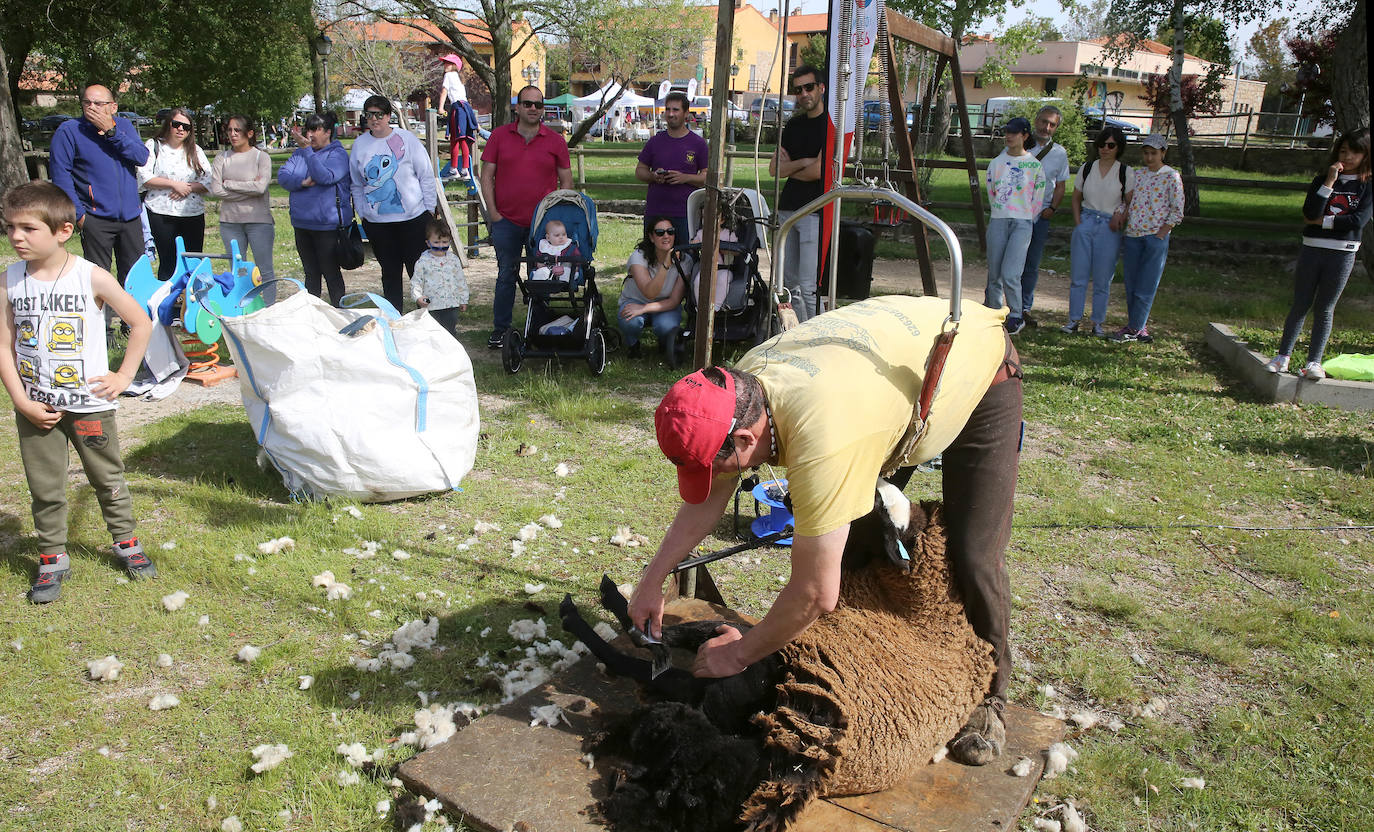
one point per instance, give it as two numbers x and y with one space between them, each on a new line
499 771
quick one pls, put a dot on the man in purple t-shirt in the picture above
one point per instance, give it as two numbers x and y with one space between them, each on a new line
673 163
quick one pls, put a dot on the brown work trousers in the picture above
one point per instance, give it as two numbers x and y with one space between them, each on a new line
979 479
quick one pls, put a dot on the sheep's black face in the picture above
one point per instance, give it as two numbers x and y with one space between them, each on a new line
874 538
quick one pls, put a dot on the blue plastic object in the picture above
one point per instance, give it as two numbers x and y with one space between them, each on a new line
778 517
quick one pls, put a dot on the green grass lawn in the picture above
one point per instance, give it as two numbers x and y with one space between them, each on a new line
1260 643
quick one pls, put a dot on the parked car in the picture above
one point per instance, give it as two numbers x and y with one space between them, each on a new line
767 109
873 114
136 119
701 109
1094 121
28 125
49 123
162 114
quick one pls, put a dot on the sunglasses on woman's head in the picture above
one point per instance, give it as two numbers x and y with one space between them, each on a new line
180 125
664 232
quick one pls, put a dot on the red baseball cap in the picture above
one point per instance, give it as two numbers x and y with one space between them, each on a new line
692 422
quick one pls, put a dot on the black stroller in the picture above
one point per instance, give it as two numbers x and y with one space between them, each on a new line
746 311
565 317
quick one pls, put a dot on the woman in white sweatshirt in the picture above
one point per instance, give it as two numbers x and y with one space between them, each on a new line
394 191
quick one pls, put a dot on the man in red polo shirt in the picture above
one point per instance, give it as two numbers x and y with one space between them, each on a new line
523 162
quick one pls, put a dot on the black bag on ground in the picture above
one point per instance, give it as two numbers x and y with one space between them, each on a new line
348 244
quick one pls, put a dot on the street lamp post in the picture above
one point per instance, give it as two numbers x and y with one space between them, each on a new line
323 45
530 73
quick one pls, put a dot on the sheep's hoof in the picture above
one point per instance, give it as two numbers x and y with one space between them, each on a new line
981 739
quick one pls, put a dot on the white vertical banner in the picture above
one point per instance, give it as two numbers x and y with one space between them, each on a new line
856 47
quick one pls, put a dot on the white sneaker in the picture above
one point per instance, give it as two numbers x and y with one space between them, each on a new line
1314 371
1277 364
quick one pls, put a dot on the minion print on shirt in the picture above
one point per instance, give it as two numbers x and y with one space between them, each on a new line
28 332
64 336
28 372
66 374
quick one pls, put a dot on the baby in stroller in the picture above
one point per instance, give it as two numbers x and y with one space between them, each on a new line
725 260
554 250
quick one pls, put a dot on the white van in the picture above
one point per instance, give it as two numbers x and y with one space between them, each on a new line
995 110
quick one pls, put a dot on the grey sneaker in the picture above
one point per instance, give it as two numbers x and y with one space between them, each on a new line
1277 364
130 552
1098 331
981 739
52 571
1069 328
1314 371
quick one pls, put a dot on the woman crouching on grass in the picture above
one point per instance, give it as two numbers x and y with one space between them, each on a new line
1336 211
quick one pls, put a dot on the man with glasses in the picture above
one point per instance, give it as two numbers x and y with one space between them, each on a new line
799 158
1055 161
523 162
673 163
95 160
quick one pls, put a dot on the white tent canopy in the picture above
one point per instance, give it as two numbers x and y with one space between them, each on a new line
353 99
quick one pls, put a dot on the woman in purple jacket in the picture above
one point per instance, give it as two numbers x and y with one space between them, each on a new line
321 201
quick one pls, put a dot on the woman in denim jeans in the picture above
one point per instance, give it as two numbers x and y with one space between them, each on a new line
1156 208
653 291
1101 195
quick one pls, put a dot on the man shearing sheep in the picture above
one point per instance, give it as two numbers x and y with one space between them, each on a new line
834 399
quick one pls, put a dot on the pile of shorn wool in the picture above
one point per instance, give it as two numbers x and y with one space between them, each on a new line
851 706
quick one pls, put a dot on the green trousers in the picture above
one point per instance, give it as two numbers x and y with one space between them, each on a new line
46 458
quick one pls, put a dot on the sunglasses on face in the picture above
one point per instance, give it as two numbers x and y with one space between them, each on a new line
664 232
180 125
375 114
533 105
433 247
1109 145
807 88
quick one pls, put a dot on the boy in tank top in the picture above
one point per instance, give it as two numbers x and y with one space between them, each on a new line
55 368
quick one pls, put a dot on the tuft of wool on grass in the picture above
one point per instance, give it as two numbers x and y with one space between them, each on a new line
104 670
526 675
400 554
276 545
17 644
1046 825
347 778
527 629
164 702
1073 822
551 521
169 546
203 621
1086 720
269 756
533 589
528 532
562 470
1155 707
231 824
306 682
625 538
1193 783
383 806
1023 767
164 660
1057 759
434 724
333 590
549 715
247 653
481 527
175 601
357 755
353 510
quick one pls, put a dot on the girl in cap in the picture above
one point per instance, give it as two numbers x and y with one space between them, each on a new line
1016 190
1156 208
452 97
1336 212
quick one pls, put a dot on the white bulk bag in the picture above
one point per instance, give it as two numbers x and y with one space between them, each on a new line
384 414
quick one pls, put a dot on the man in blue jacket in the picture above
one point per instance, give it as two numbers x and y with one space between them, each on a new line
93 159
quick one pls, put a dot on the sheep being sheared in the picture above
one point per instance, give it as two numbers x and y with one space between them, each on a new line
851 706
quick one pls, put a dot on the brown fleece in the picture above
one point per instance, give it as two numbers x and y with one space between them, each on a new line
875 687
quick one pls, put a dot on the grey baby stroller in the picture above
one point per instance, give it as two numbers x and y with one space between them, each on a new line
745 309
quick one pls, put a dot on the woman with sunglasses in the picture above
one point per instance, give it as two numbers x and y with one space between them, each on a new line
652 293
176 175
240 178
394 189
316 175
1101 197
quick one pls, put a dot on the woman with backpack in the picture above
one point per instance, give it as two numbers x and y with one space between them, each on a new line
1337 209
1101 196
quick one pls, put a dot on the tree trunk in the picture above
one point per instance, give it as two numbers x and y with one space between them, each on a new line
500 84
12 169
14 53
316 80
1187 165
1350 97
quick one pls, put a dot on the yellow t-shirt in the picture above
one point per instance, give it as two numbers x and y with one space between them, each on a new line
842 388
